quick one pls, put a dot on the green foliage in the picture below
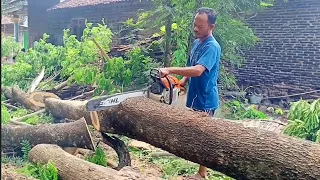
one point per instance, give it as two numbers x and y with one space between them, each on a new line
115 74
231 31
304 120
173 167
17 161
20 74
140 64
43 172
239 111
99 157
33 120
279 111
43 54
81 56
5 115
25 149
81 61
9 47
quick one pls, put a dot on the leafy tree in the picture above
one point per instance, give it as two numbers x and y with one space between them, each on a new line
231 31
81 62
9 47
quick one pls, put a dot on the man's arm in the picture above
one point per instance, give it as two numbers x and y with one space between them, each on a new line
192 71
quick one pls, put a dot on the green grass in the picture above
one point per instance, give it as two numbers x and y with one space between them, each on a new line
40 171
16 161
171 166
8 114
99 157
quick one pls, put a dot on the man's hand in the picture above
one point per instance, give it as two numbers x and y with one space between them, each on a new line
184 81
164 72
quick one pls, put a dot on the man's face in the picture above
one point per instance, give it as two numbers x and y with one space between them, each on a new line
201 27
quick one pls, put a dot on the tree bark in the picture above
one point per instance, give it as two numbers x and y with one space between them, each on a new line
231 148
68 109
7 91
33 101
77 109
74 134
70 167
22 98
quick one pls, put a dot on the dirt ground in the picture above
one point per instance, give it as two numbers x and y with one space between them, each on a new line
142 166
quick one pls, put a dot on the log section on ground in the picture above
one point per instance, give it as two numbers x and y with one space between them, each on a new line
33 101
74 134
70 167
237 151
67 109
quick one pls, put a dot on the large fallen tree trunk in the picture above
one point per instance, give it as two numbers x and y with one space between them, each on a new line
74 134
70 167
237 151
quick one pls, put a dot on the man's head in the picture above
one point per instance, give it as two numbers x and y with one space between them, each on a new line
204 22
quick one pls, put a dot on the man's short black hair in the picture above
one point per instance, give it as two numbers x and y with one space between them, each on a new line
211 13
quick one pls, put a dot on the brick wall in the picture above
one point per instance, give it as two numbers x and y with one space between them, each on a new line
289 50
114 14
38 19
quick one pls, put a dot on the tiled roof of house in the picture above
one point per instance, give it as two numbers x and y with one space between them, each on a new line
80 3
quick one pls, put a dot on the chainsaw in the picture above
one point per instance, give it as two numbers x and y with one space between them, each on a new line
162 89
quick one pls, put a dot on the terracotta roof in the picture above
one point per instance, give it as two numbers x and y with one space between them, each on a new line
80 3
6 20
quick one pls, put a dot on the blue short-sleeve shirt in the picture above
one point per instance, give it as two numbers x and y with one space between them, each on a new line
203 91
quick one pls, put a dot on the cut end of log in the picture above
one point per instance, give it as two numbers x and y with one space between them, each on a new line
37 98
95 120
89 135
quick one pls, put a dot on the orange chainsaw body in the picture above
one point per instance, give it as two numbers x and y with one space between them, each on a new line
174 81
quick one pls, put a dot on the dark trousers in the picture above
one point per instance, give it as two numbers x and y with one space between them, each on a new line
209 112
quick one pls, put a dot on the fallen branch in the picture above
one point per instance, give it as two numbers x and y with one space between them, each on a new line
47 81
19 123
86 94
36 81
104 54
237 151
121 149
10 106
7 101
161 154
292 95
15 120
70 167
60 86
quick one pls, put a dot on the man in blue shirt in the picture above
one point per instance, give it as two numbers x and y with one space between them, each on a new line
202 69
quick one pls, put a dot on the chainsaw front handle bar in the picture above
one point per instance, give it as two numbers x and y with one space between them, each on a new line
156 73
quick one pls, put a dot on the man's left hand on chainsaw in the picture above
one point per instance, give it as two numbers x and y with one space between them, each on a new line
164 72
